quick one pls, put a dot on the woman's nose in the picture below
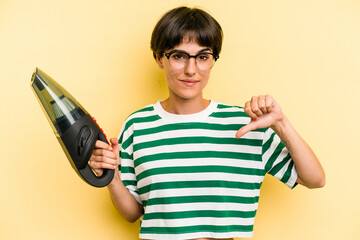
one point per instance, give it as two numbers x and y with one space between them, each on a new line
190 68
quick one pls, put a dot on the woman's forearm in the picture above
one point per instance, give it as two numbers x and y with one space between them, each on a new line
308 167
122 199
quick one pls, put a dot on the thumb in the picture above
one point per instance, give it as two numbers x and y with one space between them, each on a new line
114 144
245 129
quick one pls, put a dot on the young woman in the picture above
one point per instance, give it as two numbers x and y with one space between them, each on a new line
191 168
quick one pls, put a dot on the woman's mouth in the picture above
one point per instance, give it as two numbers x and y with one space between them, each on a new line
189 82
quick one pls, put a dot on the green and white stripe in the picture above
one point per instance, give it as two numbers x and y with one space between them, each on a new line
193 177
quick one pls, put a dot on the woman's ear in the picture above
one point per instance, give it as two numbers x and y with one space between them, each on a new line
159 61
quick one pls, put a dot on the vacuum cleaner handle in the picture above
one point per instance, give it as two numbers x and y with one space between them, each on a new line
79 142
90 177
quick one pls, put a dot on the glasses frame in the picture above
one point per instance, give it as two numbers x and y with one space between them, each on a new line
167 55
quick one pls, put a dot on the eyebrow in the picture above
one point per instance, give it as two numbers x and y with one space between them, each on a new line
201 51
204 50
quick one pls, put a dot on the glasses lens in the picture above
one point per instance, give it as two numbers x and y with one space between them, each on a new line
205 61
178 60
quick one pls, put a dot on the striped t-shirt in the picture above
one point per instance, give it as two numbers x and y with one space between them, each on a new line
191 174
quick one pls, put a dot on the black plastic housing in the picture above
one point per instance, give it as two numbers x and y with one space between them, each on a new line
78 142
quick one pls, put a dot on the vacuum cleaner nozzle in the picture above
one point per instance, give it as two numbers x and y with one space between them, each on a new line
73 126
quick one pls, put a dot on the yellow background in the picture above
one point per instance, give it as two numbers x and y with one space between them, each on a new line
305 53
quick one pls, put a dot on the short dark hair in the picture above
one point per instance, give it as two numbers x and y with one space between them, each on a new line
193 23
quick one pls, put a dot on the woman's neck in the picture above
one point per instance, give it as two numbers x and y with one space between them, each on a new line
184 106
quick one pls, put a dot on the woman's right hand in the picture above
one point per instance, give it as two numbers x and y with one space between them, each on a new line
105 156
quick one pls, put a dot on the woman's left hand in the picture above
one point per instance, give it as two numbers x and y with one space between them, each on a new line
264 112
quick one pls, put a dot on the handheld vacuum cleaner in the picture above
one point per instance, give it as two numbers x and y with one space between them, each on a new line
73 126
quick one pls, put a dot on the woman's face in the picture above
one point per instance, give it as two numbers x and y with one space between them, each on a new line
186 83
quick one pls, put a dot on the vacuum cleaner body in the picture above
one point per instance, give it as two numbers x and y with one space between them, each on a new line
73 126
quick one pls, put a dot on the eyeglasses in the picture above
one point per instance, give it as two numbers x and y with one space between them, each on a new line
180 59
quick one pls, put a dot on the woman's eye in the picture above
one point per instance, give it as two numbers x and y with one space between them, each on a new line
203 57
178 56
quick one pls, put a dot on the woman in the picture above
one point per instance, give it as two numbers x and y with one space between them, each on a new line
192 168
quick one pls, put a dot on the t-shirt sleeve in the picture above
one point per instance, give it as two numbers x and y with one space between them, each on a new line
126 168
277 160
